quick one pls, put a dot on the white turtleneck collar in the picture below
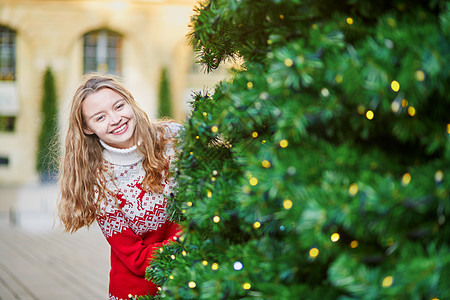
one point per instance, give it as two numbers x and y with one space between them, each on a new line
121 157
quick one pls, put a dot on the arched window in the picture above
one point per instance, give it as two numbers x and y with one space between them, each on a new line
7 54
102 52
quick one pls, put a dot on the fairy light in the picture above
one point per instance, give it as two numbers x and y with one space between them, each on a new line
256 225
314 252
395 86
205 113
288 62
214 128
404 103
253 181
205 263
354 244
269 80
215 266
335 237
420 75
287 204
171 277
192 284
189 203
395 106
197 137
265 164
191 153
209 194
438 176
246 286
406 179
325 92
391 22
411 111
353 189
387 281
284 143
339 78
281 17
237 265
184 253
249 85
349 21
361 109
216 219
448 128
254 134
370 115
172 256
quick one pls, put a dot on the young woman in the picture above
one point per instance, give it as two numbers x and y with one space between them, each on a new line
115 169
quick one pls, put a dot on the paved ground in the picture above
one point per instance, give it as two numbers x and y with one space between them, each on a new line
38 260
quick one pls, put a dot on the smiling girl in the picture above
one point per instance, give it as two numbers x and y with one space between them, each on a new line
115 169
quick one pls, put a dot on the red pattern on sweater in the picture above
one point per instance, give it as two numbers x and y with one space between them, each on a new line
136 228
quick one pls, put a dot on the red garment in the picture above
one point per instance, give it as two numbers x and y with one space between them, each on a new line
136 224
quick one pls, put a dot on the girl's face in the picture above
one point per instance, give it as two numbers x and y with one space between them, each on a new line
108 115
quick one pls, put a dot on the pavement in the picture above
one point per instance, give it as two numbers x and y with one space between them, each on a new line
38 260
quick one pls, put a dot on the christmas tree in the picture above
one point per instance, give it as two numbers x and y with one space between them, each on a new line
320 171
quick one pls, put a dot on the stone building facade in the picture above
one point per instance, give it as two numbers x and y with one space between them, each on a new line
134 39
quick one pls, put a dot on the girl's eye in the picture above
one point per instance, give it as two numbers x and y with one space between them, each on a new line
99 118
119 106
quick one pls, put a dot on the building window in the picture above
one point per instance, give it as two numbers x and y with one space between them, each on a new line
102 52
7 123
7 54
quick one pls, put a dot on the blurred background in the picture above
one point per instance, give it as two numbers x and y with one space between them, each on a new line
45 48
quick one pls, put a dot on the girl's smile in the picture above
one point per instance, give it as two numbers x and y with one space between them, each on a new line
108 115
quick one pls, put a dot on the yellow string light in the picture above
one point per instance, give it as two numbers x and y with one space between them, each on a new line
216 219
205 113
281 17
387 281
215 266
192 284
256 225
172 256
171 277
266 164
339 78
197 137
287 204
354 244
411 111
406 179
288 62
349 21
438 176
214 128
353 189
253 181
184 253
209 194
254 134
370 115
335 237
284 143
246 286
269 80
395 86
420 75
189 203
404 103
314 252
205 263
249 85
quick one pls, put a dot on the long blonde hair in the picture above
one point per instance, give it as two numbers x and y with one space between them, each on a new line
82 174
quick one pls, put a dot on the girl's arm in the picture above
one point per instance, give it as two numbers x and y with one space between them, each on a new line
131 249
